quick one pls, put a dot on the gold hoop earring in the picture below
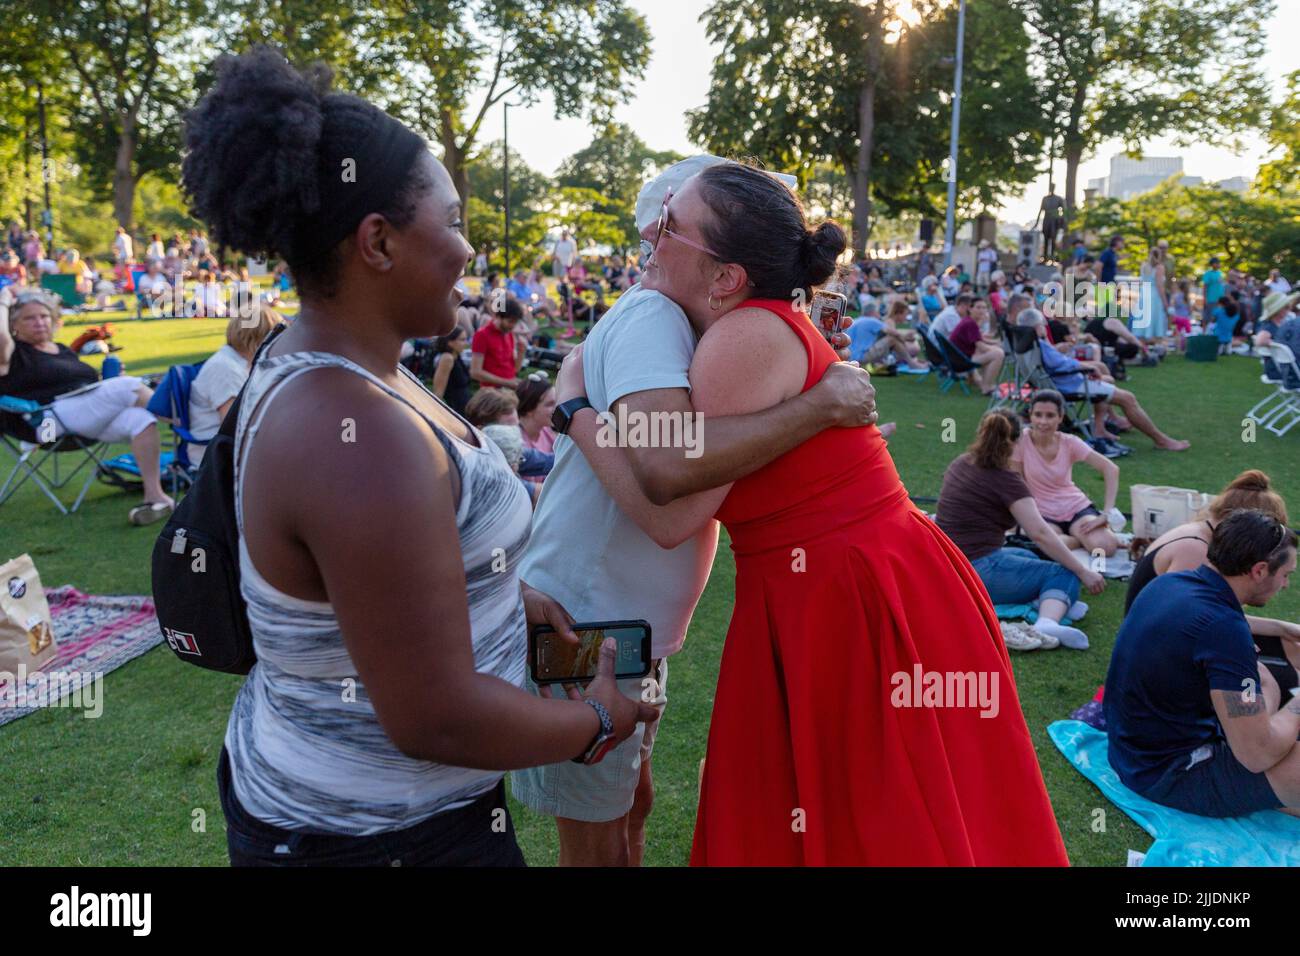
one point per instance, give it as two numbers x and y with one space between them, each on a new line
712 307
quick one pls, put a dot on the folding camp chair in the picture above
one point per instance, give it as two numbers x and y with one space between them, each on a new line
958 361
940 362
171 404
1032 375
1280 411
28 433
65 287
1284 393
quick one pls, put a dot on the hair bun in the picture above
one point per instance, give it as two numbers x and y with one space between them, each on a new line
1252 480
821 249
250 168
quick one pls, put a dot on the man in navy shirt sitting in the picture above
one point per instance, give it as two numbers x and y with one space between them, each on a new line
1194 721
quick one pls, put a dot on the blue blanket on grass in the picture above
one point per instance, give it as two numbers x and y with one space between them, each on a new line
1267 838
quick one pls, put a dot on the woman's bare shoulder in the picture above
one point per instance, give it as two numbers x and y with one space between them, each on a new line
748 360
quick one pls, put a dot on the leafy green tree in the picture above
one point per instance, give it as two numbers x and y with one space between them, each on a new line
1281 176
457 53
1253 232
616 163
528 188
804 81
1138 69
126 70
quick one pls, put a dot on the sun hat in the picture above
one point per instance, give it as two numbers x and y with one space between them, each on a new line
650 200
1276 302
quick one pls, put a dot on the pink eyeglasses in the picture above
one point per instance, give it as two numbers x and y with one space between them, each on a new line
662 230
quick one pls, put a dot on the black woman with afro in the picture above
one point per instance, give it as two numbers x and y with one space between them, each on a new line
379 531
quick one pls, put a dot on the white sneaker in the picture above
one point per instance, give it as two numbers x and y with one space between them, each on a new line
1019 638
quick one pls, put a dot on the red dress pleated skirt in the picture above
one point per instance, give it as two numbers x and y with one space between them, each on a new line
866 712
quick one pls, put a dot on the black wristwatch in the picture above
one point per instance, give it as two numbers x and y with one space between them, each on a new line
562 417
604 739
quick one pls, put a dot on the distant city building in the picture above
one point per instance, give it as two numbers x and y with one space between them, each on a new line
1236 184
1130 177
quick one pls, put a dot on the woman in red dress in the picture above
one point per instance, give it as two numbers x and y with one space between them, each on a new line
866 711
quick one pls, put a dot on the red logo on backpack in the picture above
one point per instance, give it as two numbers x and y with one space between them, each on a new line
181 643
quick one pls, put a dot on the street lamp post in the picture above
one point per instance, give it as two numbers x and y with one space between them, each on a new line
950 218
47 215
505 166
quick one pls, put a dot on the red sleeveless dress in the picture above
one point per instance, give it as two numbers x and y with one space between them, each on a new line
830 742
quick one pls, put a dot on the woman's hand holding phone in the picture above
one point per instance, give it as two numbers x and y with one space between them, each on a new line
623 710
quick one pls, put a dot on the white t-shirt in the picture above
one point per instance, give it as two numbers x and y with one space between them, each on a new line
565 251
584 551
1280 284
153 285
218 381
945 322
123 246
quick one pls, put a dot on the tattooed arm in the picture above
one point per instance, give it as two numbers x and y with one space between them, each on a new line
1259 737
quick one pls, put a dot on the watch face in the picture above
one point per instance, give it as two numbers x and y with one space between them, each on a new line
559 420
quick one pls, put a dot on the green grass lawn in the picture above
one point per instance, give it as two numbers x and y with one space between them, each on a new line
124 789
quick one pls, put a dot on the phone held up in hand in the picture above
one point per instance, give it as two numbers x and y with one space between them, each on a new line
553 660
827 311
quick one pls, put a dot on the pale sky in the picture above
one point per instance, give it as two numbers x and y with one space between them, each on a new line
677 80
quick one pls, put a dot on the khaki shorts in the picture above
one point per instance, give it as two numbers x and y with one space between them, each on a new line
604 791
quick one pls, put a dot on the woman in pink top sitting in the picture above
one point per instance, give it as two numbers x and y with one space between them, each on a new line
536 403
1046 458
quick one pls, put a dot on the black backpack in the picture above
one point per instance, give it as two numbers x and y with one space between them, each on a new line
196 562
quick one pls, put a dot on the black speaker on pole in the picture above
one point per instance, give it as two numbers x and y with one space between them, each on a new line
927 230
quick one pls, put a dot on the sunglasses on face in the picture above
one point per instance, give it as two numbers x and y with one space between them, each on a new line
662 230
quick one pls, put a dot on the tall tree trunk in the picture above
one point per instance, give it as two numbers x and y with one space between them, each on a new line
1073 154
124 175
862 169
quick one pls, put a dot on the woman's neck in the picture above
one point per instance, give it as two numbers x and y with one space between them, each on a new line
324 328
532 428
1042 440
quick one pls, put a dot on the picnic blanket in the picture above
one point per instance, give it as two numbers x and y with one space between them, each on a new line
1267 838
1118 565
95 634
1029 612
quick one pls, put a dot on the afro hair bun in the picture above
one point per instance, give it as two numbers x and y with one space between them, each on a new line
251 150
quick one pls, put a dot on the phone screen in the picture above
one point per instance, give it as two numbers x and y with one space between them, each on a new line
556 660
828 308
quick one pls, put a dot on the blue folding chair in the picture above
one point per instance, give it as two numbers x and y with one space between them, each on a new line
171 404
27 432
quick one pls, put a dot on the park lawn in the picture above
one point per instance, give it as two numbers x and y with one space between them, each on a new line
128 788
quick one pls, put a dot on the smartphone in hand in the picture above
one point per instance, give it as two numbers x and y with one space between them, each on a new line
827 311
553 660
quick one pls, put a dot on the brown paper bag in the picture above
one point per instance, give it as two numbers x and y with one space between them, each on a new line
26 629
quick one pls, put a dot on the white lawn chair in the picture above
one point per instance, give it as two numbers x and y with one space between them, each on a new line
1269 405
1280 411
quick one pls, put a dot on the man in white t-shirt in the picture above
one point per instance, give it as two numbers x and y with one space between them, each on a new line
601 564
562 256
947 320
123 248
1278 282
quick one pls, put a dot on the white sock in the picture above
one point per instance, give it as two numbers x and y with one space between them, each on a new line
1070 637
1077 610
